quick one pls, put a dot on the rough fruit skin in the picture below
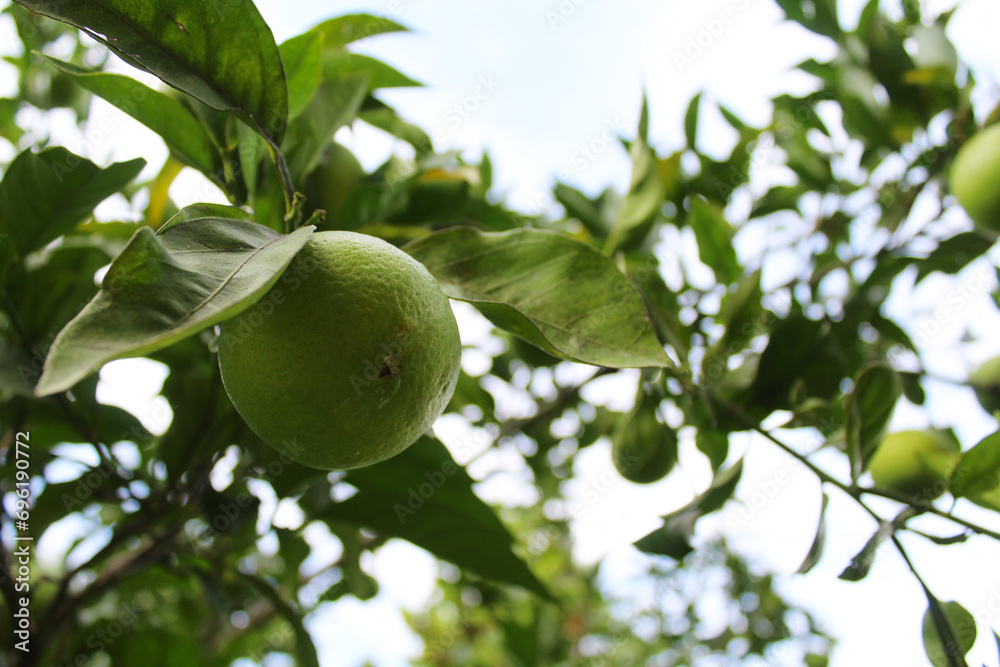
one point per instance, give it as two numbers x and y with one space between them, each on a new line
348 359
914 463
974 176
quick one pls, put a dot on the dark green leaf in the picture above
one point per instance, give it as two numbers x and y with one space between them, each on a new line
673 538
163 288
45 195
423 496
869 408
205 210
862 563
385 118
221 53
691 122
953 254
305 650
380 75
555 292
799 350
714 444
715 243
177 126
816 550
335 104
978 470
822 19
743 315
949 632
643 201
578 206
301 58
342 30
778 198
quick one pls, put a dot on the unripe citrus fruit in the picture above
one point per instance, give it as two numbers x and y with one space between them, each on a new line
974 176
348 359
914 463
333 179
985 380
642 449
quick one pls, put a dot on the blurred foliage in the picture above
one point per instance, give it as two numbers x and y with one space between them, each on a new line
172 563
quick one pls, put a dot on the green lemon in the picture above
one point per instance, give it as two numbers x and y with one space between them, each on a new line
914 463
642 449
348 359
974 176
985 380
333 179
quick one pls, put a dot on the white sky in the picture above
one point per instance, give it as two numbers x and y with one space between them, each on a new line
557 87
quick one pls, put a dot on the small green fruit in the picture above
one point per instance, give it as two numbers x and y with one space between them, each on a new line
643 449
985 380
974 177
330 183
914 463
348 359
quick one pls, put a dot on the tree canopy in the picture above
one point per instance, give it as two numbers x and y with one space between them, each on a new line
172 552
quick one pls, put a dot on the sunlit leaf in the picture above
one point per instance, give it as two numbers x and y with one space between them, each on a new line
162 288
555 292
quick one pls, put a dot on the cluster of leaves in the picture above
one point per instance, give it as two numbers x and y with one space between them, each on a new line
257 120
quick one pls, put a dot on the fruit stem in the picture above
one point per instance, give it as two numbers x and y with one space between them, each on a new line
854 491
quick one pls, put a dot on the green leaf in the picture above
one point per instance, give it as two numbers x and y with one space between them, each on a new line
816 550
691 122
380 75
673 537
423 496
205 210
822 19
743 313
778 198
643 202
555 292
163 288
949 632
802 351
45 195
978 470
715 244
343 30
305 650
335 104
383 117
869 408
300 57
953 254
180 129
222 53
862 563
579 206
